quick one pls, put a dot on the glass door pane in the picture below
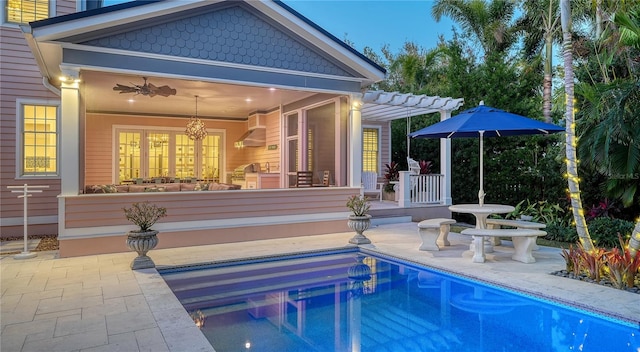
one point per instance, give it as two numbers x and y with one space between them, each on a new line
211 157
185 156
129 156
158 160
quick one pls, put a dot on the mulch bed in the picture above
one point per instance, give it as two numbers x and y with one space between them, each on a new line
603 282
47 242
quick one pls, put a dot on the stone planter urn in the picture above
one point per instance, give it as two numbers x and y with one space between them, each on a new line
142 242
359 224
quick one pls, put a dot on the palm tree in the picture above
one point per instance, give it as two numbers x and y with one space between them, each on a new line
572 164
541 27
489 22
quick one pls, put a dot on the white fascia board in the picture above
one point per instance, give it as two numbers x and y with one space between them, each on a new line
318 38
204 62
115 18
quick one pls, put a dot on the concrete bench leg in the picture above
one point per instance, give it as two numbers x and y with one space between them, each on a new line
494 241
535 247
443 239
478 250
523 247
429 239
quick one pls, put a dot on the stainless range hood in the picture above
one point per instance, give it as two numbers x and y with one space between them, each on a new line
256 137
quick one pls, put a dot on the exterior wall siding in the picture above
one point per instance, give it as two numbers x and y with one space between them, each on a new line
233 34
96 223
21 80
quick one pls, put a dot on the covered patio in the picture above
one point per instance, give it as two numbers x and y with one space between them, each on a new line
286 80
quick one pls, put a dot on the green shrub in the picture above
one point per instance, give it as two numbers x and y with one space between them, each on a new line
604 231
561 233
542 211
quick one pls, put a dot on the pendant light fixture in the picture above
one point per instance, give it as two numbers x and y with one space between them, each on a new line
196 130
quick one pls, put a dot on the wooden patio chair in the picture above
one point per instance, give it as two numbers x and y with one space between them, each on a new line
370 184
304 179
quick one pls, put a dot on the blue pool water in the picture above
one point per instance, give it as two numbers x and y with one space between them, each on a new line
356 301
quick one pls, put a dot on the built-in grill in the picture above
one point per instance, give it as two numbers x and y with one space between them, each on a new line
240 171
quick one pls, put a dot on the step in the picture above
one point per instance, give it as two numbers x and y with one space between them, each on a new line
386 220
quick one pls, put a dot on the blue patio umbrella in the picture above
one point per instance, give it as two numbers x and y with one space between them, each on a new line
485 121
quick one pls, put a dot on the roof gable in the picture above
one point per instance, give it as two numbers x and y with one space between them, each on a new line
233 34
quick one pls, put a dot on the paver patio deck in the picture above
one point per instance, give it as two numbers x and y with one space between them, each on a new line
96 303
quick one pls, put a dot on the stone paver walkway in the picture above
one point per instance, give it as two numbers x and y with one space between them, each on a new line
96 303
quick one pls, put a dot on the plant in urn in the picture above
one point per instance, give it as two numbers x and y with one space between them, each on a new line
359 221
144 215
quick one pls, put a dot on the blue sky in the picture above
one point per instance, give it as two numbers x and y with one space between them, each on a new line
373 23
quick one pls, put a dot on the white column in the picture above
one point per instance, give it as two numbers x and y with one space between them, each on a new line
355 141
70 133
404 198
445 162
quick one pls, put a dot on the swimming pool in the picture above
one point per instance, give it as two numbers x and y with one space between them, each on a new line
349 300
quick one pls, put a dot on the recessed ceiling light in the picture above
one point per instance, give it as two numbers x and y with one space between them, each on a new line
248 100
130 100
272 89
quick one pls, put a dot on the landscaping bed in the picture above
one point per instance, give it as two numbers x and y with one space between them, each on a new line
47 242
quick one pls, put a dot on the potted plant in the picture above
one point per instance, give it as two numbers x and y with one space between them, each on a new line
391 176
144 239
359 220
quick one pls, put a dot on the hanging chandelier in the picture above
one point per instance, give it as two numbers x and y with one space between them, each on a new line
196 130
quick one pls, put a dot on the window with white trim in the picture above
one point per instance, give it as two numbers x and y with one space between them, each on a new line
39 140
370 149
25 11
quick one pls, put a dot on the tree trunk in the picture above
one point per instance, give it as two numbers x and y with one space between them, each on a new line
634 241
549 24
572 165
547 84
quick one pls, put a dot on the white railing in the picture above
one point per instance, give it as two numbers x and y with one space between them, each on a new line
419 189
426 189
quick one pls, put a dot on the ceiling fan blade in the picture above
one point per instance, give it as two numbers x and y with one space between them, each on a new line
165 91
125 89
145 89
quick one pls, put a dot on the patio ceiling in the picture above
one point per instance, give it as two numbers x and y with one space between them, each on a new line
228 101
386 106
215 100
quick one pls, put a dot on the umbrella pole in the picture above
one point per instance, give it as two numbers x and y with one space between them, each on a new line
481 191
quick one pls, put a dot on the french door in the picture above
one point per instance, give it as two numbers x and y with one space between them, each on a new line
149 153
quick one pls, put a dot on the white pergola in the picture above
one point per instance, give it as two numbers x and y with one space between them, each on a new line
379 105
384 106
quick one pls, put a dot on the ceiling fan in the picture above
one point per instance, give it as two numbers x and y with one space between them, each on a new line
145 89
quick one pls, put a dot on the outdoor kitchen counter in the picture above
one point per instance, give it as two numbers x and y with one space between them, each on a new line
262 180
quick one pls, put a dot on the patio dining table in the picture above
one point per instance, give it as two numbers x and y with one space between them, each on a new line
482 212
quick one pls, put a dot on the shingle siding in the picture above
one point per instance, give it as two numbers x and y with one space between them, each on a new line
232 35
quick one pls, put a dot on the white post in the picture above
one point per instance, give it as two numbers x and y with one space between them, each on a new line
26 189
404 200
355 145
70 132
445 162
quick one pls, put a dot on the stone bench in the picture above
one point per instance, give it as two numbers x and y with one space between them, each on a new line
523 240
434 232
519 224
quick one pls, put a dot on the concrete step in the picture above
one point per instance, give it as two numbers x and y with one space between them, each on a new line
386 220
